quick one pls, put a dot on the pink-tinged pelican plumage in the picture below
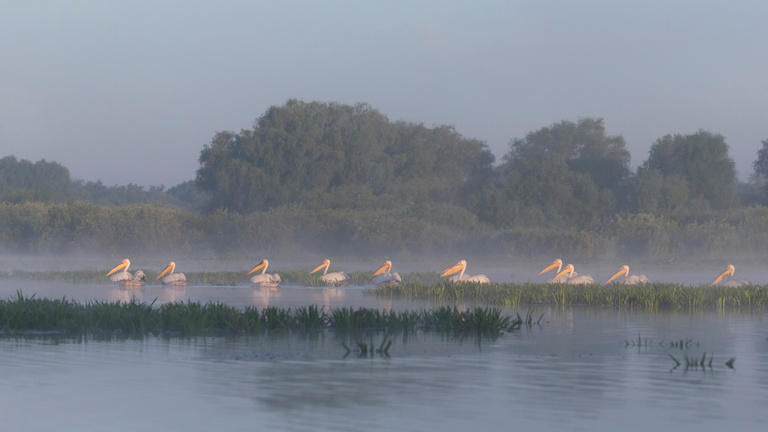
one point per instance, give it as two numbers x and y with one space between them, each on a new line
728 273
628 279
168 277
264 278
573 278
384 275
460 267
124 277
334 278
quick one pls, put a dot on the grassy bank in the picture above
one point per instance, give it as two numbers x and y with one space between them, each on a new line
296 277
25 315
648 297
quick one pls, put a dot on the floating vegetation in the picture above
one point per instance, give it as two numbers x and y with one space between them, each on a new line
368 349
694 362
648 297
29 315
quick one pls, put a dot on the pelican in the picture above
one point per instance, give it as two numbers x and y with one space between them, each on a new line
572 277
384 276
728 272
334 278
264 278
556 265
628 279
124 277
459 268
172 278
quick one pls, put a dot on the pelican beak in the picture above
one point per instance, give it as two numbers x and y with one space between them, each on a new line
320 267
728 272
567 269
622 272
258 267
165 271
118 267
555 264
381 270
451 270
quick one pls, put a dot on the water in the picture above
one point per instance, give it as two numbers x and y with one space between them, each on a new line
574 372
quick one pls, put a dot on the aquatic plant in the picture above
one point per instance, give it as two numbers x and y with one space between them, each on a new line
26 315
648 297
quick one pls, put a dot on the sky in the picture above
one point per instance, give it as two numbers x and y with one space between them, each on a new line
130 92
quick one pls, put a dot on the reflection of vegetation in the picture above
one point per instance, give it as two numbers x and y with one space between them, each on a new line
27 314
648 297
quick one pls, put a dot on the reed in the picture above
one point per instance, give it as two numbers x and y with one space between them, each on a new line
26 315
647 297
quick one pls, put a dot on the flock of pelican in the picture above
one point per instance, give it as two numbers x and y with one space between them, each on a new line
385 276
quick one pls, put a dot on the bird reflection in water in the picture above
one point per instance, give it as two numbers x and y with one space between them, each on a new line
328 295
264 294
124 294
173 293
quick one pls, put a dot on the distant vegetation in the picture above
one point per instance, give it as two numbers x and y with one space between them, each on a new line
342 178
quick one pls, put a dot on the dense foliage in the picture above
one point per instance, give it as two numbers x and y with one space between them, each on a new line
343 177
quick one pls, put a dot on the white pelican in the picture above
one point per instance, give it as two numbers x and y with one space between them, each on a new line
729 271
574 278
334 278
459 268
124 277
172 278
628 279
264 278
556 265
384 276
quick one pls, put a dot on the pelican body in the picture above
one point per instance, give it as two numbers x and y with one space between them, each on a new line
384 275
628 279
264 278
124 277
460 267
168 277
728 273
334 278
573 278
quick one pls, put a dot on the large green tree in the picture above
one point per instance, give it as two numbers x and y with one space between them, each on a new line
567 173
701 162
303 152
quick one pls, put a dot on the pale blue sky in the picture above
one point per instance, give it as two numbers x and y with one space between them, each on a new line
131 91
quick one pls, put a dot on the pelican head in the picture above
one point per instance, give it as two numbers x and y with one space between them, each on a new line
384 268
556 264
168 269
569 269
729 271
623 271
326 263
262 265
124 264
458 267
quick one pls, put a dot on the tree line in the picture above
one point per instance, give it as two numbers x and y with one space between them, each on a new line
323 173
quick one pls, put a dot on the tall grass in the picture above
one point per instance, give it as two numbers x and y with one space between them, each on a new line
22 315
648 297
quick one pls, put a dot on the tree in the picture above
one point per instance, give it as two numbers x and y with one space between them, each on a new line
701 160
300 152
568 173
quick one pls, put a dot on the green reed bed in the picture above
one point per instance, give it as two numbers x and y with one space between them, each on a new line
650 296
28 315
227 278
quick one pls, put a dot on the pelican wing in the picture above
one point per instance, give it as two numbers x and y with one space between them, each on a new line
174 279
334 278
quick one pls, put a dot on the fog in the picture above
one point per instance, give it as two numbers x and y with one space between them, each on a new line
129 92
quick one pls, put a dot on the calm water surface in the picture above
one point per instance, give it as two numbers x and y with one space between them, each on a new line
574 372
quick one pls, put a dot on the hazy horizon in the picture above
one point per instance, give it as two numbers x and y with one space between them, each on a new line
130 92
